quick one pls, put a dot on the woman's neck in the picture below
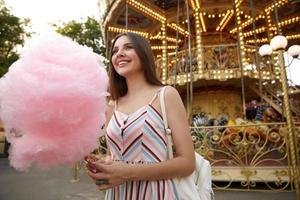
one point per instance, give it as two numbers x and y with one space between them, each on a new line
136 85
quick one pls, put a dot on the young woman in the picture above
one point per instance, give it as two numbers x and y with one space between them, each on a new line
139 167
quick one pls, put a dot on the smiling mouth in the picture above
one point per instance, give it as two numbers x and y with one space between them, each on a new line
123 63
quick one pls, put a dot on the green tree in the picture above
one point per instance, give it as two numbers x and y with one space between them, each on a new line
12 35
86 33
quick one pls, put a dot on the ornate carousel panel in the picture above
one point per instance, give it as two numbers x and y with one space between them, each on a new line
251 155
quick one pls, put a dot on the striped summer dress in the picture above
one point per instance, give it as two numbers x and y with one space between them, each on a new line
139 138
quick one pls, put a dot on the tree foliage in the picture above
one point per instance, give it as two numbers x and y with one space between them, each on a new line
86 33
12 35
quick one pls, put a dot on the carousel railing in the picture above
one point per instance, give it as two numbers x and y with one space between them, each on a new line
247 157
273 96
219 62
270 97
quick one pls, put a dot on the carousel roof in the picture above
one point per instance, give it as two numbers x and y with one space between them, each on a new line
216 17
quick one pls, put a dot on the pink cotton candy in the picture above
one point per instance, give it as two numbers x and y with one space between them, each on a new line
52 103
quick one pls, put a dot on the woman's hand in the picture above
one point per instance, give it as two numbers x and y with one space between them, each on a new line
109 173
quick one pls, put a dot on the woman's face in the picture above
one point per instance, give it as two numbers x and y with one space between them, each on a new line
124 58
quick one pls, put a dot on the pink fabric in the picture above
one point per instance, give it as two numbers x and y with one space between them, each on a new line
52 103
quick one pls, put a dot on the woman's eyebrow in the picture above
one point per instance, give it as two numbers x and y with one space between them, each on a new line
128 43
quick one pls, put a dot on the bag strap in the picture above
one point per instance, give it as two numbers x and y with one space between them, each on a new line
168 131
163 107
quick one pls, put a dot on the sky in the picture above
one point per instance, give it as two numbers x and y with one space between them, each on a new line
293 71
44 12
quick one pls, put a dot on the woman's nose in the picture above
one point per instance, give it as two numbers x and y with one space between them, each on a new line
120 53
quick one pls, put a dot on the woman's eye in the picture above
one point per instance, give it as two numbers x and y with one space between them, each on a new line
114 52
128 47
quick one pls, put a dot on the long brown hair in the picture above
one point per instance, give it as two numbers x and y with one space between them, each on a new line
117 83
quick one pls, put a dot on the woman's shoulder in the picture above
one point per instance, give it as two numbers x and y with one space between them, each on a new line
172 98
171 93
170 90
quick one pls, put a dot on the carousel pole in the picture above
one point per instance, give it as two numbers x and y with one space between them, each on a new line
164 52
186 68
241 48
190 74
126 15
184 59
270 33
278 29
257 62
198 40
107 44
292 140
268 18
176 50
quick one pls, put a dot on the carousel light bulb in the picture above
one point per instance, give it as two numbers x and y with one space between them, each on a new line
265 50
278 42
294 51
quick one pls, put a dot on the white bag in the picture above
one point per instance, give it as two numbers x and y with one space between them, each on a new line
196 186
202 178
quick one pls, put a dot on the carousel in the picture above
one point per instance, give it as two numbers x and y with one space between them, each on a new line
229 60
